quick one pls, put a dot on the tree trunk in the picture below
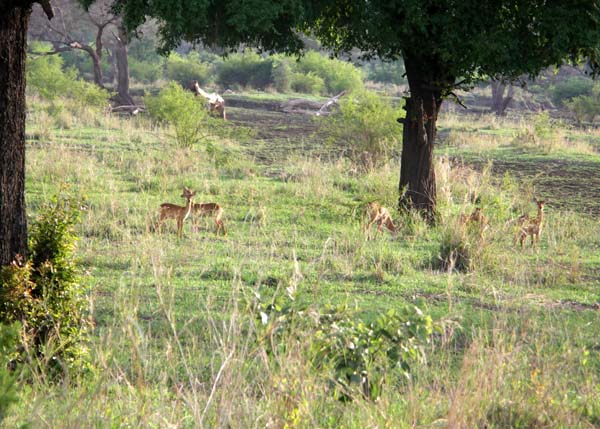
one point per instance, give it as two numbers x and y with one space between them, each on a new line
13 44
122 66
417 175
499 101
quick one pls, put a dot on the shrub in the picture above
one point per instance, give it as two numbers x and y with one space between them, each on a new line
282 75
177 107
308 83
44 294
358 355
245 69
145 72
46 76
570 88
379 71
367 124
185 69
337 75
583 108
9 337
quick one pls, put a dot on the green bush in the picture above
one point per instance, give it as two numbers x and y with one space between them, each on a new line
246 70
308 83
337 75
145 71
379 71
358 355
9 338
282 75
185 69
179 108
583 107
44 294
46 76
367 124
570 88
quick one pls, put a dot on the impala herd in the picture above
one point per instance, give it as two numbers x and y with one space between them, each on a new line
373 214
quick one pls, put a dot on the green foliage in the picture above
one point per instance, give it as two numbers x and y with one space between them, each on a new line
44 293
583 108
146 71
570 88
282 75
366 123
185 69
245 69
359 354
46 76
177 107
308 83
9 337
386 72
337 75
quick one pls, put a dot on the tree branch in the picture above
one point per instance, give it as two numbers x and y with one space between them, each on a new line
47 8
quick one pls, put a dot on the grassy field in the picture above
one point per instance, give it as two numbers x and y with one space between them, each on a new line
175 343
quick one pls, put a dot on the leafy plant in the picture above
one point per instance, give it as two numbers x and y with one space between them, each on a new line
9 337
570 88
177 107
367 124
145 71
337 75
308 83
44 294
358 354
46 76
185 69
282 76
245 69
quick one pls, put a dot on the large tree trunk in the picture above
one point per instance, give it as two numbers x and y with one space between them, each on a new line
13 43
122 66
417 175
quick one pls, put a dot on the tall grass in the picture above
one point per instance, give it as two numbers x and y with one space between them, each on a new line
178 342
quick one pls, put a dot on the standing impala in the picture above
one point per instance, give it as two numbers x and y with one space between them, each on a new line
531 226
211 209
179 213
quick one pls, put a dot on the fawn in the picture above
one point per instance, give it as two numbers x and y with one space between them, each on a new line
211 209
179 213
376 213
531 226
476 217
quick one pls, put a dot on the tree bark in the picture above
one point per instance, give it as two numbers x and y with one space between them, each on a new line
13 44
417 174
122 66
499 101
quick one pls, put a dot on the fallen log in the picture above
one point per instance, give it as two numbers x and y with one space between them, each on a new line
310 107
130 109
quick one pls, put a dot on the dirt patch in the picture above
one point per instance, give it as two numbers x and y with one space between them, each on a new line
564 184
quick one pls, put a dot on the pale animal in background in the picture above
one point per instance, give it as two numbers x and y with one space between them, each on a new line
179 213
531 226
211 209
214 101
376 213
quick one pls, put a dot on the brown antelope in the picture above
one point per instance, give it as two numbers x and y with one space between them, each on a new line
376 213
211 209
476 217
531 226
179 213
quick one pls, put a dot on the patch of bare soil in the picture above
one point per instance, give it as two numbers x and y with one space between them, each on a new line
565 184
